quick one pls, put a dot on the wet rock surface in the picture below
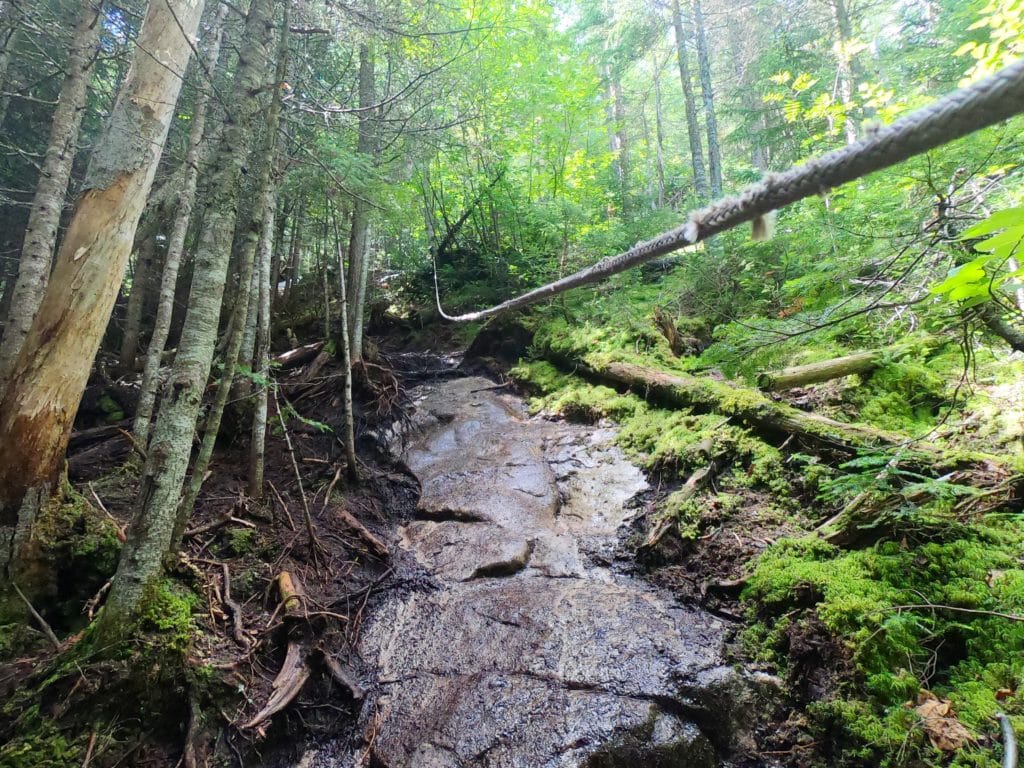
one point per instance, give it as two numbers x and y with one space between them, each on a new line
531 651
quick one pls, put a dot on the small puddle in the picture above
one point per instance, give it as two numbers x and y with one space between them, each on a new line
532 651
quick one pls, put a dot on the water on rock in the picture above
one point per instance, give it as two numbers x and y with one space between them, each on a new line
531 651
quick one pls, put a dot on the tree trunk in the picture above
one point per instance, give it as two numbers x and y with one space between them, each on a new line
262 368
267 178
152 527
48 203
704 65
49 376
850 74
659 133
358 260
346 358
143 278
176 243
700 178
8 40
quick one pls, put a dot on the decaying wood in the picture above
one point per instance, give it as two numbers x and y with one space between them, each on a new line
341 674
293 358
289 681
826 370
764 415
292 594
233 608
373 543
696 482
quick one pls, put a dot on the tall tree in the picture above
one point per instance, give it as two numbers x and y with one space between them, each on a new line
152 527
700 177
358 257
48 203
176 242
704 66
50 373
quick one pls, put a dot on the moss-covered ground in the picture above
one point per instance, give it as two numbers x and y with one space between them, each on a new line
924 591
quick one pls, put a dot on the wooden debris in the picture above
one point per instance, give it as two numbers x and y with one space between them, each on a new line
341 674
372 542
292 594
298 356
289 681
233 609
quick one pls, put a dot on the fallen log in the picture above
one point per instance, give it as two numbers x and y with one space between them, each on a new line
815 373
298 356
759 412
826 370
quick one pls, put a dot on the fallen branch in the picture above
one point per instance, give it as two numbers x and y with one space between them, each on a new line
696 482
218 523
298 356
704 395
375 545
289 681
234 609
39 619
951 117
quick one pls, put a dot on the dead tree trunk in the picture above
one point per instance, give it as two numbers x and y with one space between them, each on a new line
152 527
50 373
48 202
826 370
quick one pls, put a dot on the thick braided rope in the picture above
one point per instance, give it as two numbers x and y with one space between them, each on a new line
954 116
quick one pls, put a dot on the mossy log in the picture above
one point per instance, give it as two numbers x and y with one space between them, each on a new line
757 411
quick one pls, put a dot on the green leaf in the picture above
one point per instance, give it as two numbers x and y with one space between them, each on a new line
998 220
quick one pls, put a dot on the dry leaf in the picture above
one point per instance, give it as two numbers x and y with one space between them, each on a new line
939 721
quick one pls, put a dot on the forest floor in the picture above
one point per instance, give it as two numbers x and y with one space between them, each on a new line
892 648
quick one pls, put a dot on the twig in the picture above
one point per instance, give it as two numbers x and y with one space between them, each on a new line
135 446
89 749
39 619
118 528
287 512
314 547
955 609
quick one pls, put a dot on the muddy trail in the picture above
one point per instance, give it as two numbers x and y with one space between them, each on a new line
526 641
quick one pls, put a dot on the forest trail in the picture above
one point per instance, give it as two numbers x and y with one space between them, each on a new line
527 647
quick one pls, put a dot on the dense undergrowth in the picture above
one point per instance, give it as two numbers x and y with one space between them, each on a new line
924 593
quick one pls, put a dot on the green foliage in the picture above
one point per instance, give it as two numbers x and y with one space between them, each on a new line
861 597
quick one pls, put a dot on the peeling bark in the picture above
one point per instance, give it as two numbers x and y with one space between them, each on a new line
48 203
49 376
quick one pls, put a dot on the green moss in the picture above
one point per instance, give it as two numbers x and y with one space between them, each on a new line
167 610
45 746
861 598
242 541
112 409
